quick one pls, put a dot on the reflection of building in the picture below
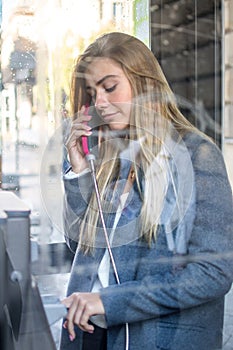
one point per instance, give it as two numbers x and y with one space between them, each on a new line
187 39
33 35
193 41
40 41
19 77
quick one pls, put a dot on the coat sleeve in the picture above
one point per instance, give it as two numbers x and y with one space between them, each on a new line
208 271
77 195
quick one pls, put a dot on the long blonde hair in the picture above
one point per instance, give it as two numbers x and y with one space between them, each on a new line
153 111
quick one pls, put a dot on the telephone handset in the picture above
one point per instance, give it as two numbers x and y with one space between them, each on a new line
85 144
90 143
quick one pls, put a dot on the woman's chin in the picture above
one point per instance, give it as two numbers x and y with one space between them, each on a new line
117 126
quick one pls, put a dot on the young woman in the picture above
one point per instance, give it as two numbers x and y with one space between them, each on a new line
167 209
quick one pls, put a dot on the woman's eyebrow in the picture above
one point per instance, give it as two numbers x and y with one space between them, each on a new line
104 78
99 82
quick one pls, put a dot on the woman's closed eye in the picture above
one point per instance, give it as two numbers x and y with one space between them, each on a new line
92 91
111 88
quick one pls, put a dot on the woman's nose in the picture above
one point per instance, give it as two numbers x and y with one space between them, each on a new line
101 100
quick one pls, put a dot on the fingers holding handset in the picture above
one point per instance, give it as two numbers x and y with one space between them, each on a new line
79 128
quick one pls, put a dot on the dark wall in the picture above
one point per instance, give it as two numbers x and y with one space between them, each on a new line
186 37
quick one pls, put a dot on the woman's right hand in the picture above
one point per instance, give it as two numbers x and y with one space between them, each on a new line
79 128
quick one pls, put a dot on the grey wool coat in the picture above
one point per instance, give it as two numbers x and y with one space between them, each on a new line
171 293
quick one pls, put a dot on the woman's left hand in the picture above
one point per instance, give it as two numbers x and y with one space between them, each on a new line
81 307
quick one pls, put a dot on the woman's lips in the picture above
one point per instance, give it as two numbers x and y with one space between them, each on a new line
108 115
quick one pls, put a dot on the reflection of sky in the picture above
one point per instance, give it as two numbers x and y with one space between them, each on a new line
78 16
7 45
7 9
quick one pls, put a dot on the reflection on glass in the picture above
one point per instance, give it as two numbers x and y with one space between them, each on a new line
187 39
39 46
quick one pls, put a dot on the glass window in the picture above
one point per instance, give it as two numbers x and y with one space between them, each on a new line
187 36
39 44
